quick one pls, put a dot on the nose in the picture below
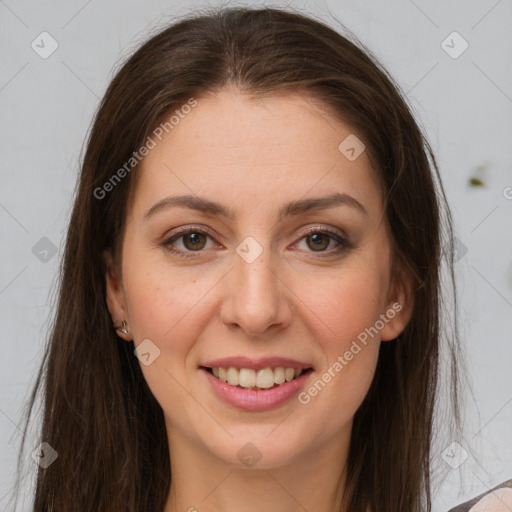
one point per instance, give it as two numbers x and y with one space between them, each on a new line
256 299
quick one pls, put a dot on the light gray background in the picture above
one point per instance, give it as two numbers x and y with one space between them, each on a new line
464 103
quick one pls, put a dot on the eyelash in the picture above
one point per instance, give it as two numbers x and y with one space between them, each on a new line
167 243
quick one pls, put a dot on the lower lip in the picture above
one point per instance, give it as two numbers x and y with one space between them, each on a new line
255 399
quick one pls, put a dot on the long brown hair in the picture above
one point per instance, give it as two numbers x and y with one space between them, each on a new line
99 414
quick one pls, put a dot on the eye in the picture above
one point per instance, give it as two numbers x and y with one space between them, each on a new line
319 239
194 240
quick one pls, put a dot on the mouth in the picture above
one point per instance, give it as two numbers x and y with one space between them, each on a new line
262 379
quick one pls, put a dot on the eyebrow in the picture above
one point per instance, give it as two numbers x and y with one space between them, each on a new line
293 208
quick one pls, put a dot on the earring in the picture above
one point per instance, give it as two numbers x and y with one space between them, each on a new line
122 329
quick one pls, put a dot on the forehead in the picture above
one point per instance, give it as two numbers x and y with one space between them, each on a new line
255 154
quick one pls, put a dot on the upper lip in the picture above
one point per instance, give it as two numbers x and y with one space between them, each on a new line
256 364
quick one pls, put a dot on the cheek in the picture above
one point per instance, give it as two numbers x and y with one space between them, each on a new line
167 306
346 303
161 300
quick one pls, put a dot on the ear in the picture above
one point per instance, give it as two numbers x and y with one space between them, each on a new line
115 298
399 307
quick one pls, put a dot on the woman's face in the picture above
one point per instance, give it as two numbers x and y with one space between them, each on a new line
250 283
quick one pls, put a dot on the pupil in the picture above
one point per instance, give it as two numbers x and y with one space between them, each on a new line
317 237
195 238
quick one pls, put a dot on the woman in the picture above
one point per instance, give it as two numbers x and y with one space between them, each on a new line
250 301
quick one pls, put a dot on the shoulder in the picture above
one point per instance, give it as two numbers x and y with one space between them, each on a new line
498 499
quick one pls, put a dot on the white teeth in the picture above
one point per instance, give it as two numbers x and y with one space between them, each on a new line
247 378
265 378
233 376
279 377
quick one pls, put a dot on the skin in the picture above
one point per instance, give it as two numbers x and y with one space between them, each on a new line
253 157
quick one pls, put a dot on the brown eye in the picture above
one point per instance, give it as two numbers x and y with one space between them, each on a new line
194 241
324 241
189 240
319 241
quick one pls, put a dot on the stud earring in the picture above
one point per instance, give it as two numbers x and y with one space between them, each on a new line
122 329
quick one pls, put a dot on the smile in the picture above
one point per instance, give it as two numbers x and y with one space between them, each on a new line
248 378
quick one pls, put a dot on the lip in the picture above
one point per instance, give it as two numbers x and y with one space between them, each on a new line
256 364
255 399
